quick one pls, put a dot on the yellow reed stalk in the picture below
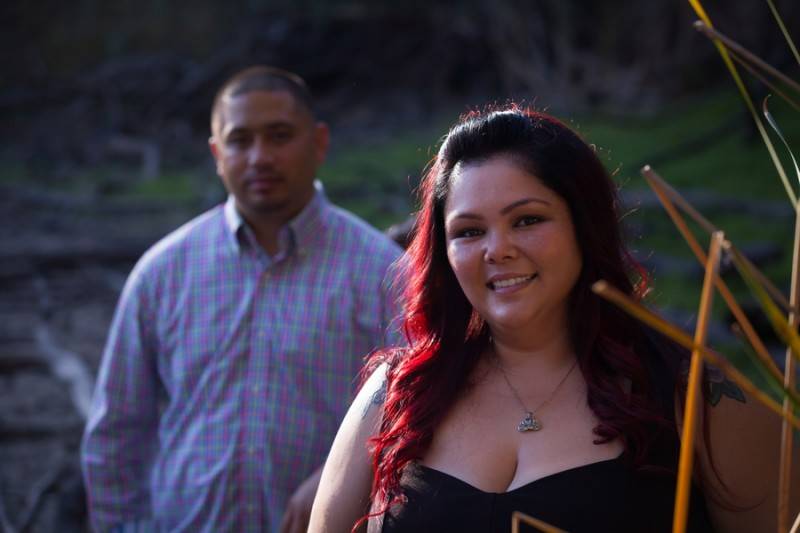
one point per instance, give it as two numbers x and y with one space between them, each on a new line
748 101
693 393
784 479
796 525
663 192
603 289
784 31
542 526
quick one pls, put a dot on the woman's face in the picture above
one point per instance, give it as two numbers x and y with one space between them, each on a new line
511 244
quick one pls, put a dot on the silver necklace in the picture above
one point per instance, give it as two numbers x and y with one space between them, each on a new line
530 422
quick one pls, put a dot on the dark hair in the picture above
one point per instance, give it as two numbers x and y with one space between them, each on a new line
261 78
446 336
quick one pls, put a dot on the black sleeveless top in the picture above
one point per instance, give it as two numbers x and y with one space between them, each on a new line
605 496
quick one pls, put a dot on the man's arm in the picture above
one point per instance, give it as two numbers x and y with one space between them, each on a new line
120 436
391 292
298 510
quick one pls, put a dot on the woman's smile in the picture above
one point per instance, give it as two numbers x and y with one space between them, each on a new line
509 283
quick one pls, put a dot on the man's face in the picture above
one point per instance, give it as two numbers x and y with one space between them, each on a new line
267 149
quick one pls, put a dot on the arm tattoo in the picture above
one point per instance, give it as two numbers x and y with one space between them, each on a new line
378 397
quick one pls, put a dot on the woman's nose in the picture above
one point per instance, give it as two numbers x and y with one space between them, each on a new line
499 247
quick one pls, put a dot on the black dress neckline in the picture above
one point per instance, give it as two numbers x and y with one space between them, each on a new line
544 479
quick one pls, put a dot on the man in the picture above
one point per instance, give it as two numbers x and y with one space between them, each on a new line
232 354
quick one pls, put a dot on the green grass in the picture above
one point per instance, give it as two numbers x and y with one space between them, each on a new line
173 186
729 163
719 154
376 179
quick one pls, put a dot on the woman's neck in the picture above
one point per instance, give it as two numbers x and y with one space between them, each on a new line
545 353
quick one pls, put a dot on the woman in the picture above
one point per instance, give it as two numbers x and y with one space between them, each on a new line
520 389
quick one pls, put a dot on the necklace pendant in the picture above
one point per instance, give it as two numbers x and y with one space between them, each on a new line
529 423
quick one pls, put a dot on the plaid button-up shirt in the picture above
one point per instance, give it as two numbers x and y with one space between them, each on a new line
227 371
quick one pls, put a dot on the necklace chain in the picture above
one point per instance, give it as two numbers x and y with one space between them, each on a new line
530 422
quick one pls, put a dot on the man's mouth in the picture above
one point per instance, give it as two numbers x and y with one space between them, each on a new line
264 177
510 282
264 181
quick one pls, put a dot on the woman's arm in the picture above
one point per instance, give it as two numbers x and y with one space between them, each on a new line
343 494
744 446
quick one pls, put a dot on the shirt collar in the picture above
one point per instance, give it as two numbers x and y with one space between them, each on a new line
233 222
306 226
302 229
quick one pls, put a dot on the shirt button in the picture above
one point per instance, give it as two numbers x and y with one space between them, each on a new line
255 389
251 450
251 508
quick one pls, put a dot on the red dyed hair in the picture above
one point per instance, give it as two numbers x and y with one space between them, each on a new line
446 336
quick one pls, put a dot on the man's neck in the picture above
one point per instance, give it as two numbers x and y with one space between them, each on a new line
267 227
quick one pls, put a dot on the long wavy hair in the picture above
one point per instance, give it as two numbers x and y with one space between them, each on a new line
446 337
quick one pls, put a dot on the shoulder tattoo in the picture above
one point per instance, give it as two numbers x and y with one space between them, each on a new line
716 389
378 398
715 384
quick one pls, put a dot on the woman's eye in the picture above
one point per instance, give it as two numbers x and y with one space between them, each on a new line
528 220
466 233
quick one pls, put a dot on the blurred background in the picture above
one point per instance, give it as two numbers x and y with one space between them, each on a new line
105 119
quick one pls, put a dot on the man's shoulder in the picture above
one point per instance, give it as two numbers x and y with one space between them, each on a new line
359 235
197 236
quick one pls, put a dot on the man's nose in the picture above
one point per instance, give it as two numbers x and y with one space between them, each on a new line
261 153
499 247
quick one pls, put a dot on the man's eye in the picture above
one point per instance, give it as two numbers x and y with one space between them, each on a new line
238 141
281 136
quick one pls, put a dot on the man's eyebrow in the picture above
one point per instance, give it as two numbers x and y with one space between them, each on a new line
278 124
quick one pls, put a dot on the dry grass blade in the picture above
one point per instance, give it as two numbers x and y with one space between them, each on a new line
667 194
697 6
664 192
544 527
603 289
693 394
775 127
780 325
746 54
782 26
654 179
796 525
766 82
787 435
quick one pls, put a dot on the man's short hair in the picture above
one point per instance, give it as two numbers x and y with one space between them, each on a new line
261 78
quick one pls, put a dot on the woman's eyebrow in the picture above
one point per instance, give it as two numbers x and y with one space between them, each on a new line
523 201
510 207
